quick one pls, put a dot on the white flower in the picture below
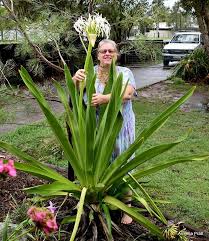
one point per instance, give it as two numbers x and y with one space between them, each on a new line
93 27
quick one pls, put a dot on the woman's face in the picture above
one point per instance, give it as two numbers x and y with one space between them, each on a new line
106 54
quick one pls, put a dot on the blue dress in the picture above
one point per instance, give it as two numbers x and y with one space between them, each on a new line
127 133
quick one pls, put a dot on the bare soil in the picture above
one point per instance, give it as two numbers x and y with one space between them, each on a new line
12 195
167 92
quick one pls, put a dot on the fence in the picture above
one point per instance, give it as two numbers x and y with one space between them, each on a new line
10 36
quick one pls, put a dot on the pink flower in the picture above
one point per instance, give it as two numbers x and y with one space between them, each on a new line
46 230
43 218
8 168
39 216
30 210
51 224
1 166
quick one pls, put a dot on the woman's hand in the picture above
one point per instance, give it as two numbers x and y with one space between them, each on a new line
79 77
99 99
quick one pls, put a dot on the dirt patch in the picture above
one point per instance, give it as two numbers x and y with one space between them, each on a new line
12 195
167 92
23 109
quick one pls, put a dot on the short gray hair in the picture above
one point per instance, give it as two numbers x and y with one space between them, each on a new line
108 41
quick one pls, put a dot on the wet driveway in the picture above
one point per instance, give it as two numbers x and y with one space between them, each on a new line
150 74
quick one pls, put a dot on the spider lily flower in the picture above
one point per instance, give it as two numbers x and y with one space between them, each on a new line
93 27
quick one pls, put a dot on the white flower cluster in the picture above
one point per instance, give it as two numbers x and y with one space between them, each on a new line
94 25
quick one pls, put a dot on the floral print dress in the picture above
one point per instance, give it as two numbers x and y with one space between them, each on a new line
127 133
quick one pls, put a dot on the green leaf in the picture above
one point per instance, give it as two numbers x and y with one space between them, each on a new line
68 219
33 163
120 160
136 216
142 173
106 127
72 91
50 189
158 122
36 171
140 159
108 219
90 124
72 123
5 229
157 211
79 213
55 125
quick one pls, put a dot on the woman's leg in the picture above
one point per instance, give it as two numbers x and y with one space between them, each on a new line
127 219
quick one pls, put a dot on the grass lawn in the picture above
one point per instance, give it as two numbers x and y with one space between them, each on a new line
186 186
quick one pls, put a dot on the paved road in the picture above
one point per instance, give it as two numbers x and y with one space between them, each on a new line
148 75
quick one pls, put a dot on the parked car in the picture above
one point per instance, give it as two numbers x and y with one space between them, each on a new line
182 44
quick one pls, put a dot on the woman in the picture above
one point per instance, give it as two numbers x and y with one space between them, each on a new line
106 52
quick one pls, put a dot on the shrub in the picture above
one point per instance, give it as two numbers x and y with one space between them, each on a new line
194 67
145 50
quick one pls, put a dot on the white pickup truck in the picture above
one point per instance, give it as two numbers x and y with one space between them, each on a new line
182 44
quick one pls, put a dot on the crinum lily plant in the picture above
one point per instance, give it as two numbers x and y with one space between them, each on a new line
99 183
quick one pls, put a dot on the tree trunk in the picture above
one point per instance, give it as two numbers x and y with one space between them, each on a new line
202 14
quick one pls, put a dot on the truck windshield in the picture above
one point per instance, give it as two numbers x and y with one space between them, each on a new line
185 38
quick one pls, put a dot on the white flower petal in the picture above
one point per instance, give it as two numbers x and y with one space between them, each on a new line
95 24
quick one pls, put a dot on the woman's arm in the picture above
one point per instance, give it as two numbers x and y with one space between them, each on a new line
129 92
99 99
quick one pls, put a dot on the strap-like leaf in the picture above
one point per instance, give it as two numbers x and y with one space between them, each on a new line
141 158
154 126
50 189
106 126
108 219
55 126
136 216
5 229
79 213
157 211
73 125
142 173
47 174
72 91
120 160
50 173
160 120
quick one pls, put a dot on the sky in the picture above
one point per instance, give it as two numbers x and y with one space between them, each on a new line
168 3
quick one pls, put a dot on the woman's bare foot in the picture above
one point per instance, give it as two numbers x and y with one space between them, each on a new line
126 219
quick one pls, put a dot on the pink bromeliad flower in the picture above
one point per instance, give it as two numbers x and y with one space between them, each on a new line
8 168
1 166
44 219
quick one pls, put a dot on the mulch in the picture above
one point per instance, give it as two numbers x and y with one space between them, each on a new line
12 194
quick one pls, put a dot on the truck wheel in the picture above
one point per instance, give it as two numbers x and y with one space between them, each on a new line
165 63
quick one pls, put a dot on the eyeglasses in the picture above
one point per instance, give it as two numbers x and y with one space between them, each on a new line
104 51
